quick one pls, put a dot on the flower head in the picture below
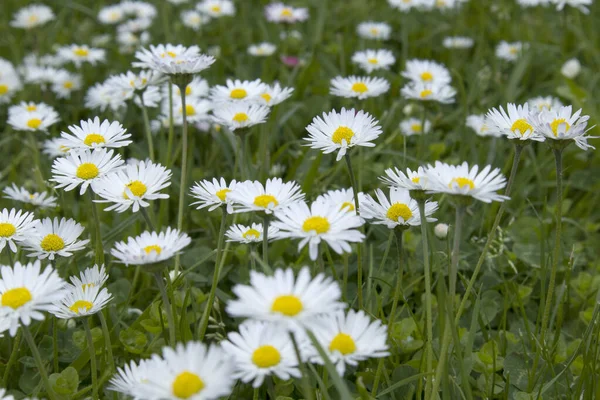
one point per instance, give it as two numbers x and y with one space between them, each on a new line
373 60
92 134
374 30
282 13
274 195
41 200
81 302
32 16
250 234
16 226
213 194
150 247
360 87
514 124
56 237
240 115
429 91
563 124
397 210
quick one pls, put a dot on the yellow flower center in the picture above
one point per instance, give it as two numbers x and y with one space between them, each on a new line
52 242
188 90
399 210
522 126
31 107
87 286
266 356
286 12
215 9
169 53
319 225
288 305
426 93
138 189
427 76
372 61
93 138
252 233
187 384
63 148
3 89
513 50
462 182
558 122
240 117
343 343
416 128
68 85
87 171
238 94
32 19
80 52
189 110
81 305
359 87
265 200
222 194
342 133
347 206
374 31
34 123
153 247
416 179
7 229
267 97
15 298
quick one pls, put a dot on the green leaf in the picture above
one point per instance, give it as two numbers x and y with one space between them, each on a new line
66 382
133 340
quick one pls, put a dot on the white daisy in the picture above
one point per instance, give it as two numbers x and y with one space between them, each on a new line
91 277
282 13
101 96
342 199
414 126
372 60
275 94
133 186
399 210
514 124
216 8
196 110
249 234
579 4
35 118
361 87
131 377
509 51
292 302
139 9
479 124
53 148
110 15
84 168
412 180
263 49
426 91
64 83
427 72
150 247
15 227
92 134
194 19
458 42
189 371
79 54
374 30
213 194
31 16
261 349
321 222
240 115
544 103
460 180
341 131
9 85
26 292
349 339
172 60
563 125
274 195
533 3
238 91
570 69
81 302
56 237
42 200
406 5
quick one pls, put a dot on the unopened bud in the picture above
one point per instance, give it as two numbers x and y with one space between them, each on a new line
441 231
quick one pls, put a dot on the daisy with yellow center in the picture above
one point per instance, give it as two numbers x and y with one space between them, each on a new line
15 227
414 126
213 194
427 71
91 277
342 199
263 49
373 60
93 134
54 237
249 234
79 54
216 8
240 115
32 117
282 13
479 124
274 195
397 210
81 301
237 91
150 247
510 51
173 60
32 16
514 123
421 90
374 30
562 126
358 87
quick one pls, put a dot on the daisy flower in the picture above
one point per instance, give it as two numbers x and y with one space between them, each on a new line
64 83
110 15
33 119
15 227
461 180
101 96
150 247
261 349
509 51
341 131
281 298
213 194
343 199
81 302
533 3
399 210
92 134
372 60
196 109
321 222
9 85
374 30
250 234
579 4
91 277
30 107
514 124
479 124
429 91
31 16
263 49
544 103
172 60
406 5
361 87
427 71
350 338
56 237
281 13
129 379
194 19
240 115
412 180
42 200
274 195
133 186
570 69
275 94
563 125
54 148
238 91
414 126
26 292
458 42
197 88
84 168
79 54
216 8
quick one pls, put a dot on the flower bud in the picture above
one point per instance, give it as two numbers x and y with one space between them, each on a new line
571 68
441 231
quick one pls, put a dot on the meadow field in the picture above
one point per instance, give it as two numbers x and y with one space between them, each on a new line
317 199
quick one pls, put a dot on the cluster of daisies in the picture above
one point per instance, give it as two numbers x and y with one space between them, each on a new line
132 20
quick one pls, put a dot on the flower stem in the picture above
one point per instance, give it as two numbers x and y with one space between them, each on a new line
38 362
167 305
359 245
36 161
183 181
149 223
147 129
13 357
216 275
92 351
265 244
453 273
305 382
171 127
99 256
398 289
338 382
107 341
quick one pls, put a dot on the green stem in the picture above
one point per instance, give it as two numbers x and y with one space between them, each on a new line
265 244
305 382
359 245
184 161
36 161
13 357
216 276
167 305
380 366
147 129
99 256
55 344
256 393
453 273
428 296
149 223
92 351
38 362
398 288
171 127
107 341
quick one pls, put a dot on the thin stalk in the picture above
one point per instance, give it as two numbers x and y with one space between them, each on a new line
38 362
428 297
380 366
557 252
256 393
398 288
184 156
305 382
13 357
453 273
345 278
215 282
265 244
107 341
36 161
99 255
359 245
147 128
167 304
147 219
491 234
54 344
92 351
171 127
